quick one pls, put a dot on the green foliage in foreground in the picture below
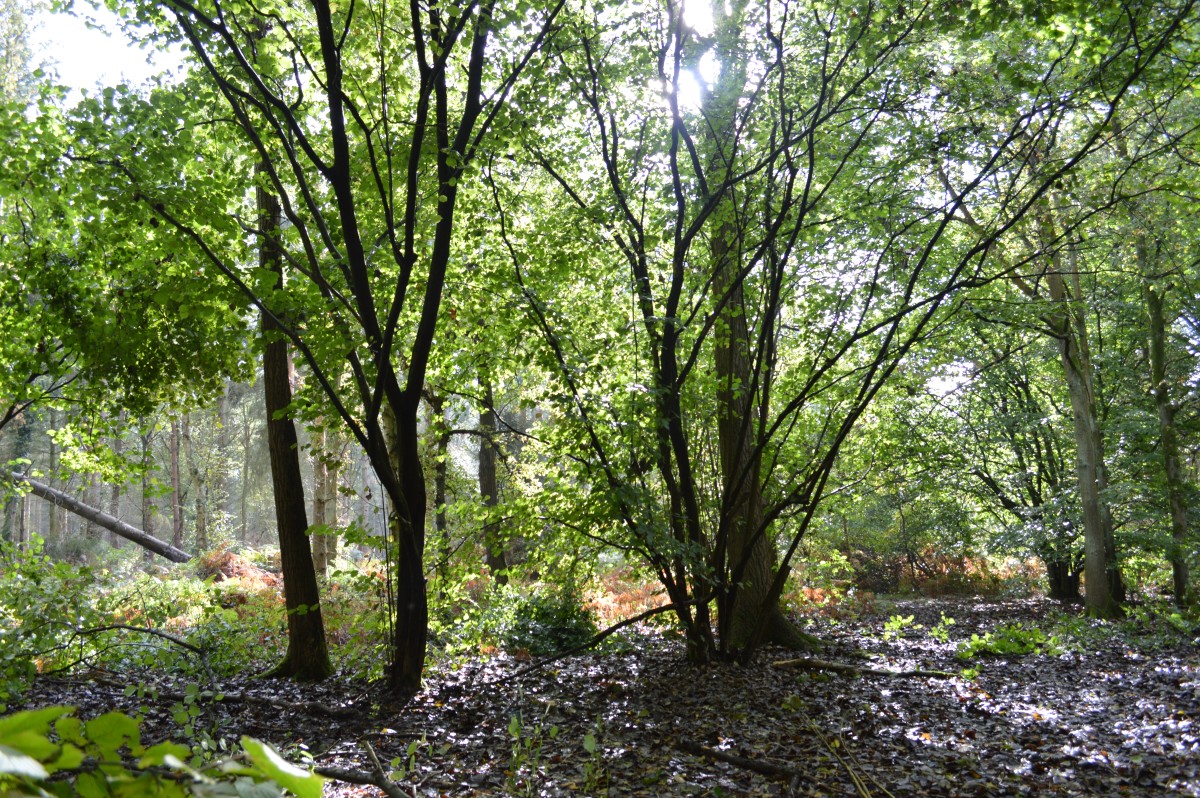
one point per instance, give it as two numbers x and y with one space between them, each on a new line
50 752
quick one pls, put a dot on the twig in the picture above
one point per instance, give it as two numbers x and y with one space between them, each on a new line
383 782
810 663
765 767
179 641
391 788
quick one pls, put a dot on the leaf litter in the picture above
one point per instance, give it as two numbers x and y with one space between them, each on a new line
637 720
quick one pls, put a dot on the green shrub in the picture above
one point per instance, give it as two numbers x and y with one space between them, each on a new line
43 604
542 622
1010 640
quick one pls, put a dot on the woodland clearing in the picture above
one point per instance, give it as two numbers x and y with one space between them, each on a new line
1119 718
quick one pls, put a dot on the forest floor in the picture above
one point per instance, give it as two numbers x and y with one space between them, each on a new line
637 720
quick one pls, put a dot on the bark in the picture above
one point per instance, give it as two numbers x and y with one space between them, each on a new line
148 509
1104 587
244 482
1168 434
102 519
1063 577
307 656
114 498
750 560
320 476
219 483
406 525
441 474
54 526
489 488
176 484
328 451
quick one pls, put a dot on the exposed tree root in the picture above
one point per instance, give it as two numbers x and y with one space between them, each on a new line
377 777
781 631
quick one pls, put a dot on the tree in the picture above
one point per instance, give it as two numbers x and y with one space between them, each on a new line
841 255
364 136
307 657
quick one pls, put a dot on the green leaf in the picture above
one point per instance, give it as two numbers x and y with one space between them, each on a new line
171 755
298 781
112 730
15 763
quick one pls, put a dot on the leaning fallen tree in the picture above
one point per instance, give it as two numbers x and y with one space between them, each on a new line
98 517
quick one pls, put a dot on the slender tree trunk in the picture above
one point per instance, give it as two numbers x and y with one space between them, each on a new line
407 528
114 497
489 489
320 476
1168 434
178 432
54 527
307 655
149 511
244 481
1104 586
219 482
441 476
328 450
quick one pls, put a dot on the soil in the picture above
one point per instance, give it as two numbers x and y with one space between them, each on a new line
1119 720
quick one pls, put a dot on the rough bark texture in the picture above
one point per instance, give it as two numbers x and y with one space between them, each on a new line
102 519
489 488
307 656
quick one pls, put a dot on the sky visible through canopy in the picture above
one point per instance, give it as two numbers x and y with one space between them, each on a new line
84 56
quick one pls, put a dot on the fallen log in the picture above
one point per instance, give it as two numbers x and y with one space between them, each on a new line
98 517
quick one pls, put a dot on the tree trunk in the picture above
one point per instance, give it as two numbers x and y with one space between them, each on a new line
489 489
748 613
1168 434
307 655
441 476
244 502
54 527
114 498
142 537
176 484
1104 587
148 508
1063 579
406 525
328 450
